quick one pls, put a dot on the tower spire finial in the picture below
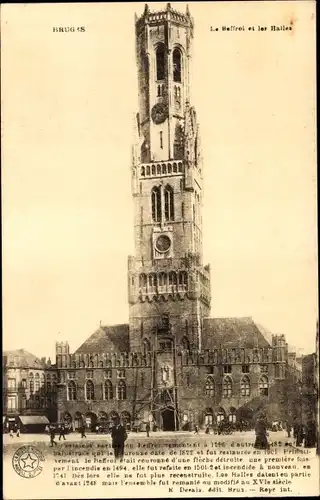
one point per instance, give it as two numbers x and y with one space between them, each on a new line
146 9
168 6
188 11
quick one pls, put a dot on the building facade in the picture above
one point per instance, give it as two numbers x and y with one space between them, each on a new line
29 390
172 364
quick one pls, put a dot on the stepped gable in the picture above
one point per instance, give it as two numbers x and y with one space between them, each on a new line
114 338
21 358
232 332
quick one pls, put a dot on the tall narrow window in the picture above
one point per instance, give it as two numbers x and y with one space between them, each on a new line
209 387
156 204
122 392
264 386
108 390
176 65
161 140
168 203
89 390
245 386
160 57
72 391
31 383
36 382
227 388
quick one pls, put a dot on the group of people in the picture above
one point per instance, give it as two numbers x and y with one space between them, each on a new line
306 434
118 436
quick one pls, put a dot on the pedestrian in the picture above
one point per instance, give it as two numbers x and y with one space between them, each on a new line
310 434
261 442
62 432
196 429
82 430
17 430
299 434
289 428
207 431
11 432
148 429
119 436
52 436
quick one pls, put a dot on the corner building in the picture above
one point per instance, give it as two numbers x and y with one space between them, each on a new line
172 365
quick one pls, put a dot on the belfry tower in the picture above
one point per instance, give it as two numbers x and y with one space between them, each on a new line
169 288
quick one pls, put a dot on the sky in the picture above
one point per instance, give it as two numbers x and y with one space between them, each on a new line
67 113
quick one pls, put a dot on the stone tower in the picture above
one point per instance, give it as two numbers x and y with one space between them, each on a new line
168 286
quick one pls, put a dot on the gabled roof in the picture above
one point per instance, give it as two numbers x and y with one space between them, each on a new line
232 332
20 358
113 338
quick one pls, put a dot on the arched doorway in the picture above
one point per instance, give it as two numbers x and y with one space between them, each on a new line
78 420
67 420
91 421
168 419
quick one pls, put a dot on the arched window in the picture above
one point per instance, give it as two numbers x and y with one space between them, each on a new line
209 388
143 172
108 390
37 382
264 386
152 282
156 204
48 382
72 391
168 203
176 57
172 279
31 383
227 388
160 58
146 346
232 416
245 387
89 390
122 390
148 170
143 281
153 170
162 280
183 279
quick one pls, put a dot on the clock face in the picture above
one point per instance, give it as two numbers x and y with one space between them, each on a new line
163 243
159 113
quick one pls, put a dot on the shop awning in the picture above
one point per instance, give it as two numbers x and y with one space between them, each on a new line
34 419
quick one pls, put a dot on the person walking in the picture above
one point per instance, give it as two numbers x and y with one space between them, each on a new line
196 429
299 434
148 429
17 430
119 436
310 434
52 436
261 442
62 432
289 428
82 430
11 432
